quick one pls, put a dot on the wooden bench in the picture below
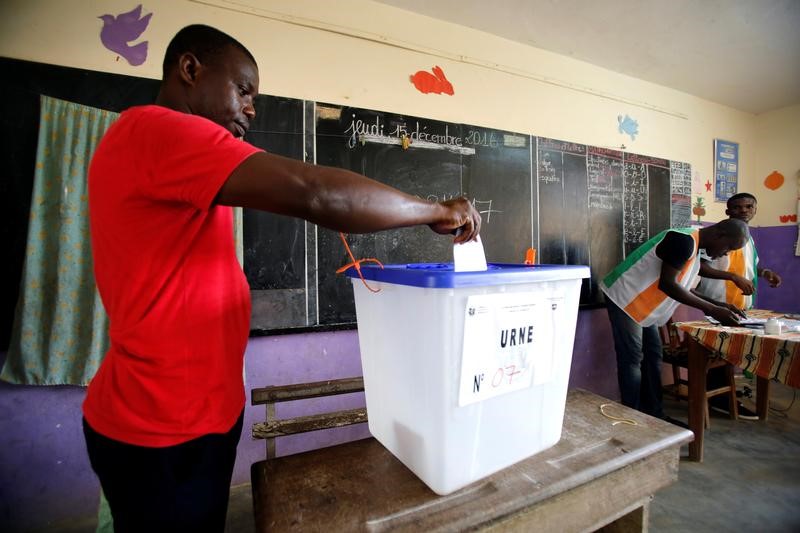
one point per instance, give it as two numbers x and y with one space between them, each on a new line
274 427
602 474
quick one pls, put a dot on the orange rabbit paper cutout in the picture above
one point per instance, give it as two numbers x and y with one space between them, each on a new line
436 83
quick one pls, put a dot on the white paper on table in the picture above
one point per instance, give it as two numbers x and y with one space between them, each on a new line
469 256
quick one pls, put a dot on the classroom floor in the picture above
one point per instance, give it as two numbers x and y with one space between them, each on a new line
749 479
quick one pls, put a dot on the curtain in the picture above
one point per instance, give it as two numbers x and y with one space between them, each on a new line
60 331
60 327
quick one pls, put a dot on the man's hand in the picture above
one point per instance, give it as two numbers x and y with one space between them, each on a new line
727 315
744 284
772 277
739 312
461 219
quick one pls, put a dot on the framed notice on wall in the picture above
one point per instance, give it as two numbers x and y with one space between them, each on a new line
726 169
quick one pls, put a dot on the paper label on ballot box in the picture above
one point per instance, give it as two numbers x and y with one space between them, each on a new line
507 344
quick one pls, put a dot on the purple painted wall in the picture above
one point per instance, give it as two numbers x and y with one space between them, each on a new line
775 247
44 472
45 478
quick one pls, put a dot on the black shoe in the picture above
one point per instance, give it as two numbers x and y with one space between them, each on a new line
722 407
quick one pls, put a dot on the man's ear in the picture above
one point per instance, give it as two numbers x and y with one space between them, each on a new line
728 212
188 68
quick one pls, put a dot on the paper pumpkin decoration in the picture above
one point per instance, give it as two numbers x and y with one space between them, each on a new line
774 181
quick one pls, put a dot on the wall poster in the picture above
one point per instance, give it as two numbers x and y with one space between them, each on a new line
726 169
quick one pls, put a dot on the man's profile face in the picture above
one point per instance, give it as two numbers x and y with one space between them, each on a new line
225 89
742 208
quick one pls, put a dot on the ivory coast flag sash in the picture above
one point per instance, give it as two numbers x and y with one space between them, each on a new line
633 284
743 262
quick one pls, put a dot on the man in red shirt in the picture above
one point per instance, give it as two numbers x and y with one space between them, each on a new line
163 415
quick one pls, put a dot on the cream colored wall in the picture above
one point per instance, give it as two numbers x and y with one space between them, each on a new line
777 149
361 53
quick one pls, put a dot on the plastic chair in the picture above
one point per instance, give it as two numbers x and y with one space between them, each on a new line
676 353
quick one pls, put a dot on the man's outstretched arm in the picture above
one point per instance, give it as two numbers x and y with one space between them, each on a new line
744 284
339 199
668 283
771 276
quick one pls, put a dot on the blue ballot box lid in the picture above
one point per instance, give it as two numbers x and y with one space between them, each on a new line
443 275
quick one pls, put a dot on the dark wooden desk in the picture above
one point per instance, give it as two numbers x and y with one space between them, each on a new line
600 473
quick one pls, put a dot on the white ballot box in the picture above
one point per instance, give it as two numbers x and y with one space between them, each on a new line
466 373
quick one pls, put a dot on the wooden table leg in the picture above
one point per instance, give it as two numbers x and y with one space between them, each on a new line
762 398
698 357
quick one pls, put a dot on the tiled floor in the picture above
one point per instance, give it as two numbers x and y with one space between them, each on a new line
749 480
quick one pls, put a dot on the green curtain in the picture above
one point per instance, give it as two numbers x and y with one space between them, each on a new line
60 331
60 327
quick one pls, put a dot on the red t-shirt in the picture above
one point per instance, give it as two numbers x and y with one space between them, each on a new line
166 268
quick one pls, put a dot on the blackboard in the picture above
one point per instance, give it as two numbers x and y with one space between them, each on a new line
604 180
576 204
563 206
274 246
442 161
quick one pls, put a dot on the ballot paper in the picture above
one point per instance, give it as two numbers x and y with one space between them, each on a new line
469 256
752 321
791 325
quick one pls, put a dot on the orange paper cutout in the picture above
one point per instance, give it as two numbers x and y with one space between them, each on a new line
436 83
774 180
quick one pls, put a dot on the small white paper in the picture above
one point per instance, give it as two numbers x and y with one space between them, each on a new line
469 256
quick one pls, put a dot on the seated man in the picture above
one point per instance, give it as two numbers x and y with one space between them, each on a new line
642 293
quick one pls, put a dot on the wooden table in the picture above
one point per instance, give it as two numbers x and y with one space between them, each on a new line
769 357
602 472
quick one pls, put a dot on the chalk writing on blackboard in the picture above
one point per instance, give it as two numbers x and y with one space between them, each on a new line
646 160
604 185
681 194
635 195
482 138
484 207
604 178
360 131
547 170
562 146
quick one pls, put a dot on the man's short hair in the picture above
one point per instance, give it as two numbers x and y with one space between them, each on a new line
203 41
739 196
732 228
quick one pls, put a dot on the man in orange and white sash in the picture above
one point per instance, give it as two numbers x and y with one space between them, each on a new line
734 278
642 293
